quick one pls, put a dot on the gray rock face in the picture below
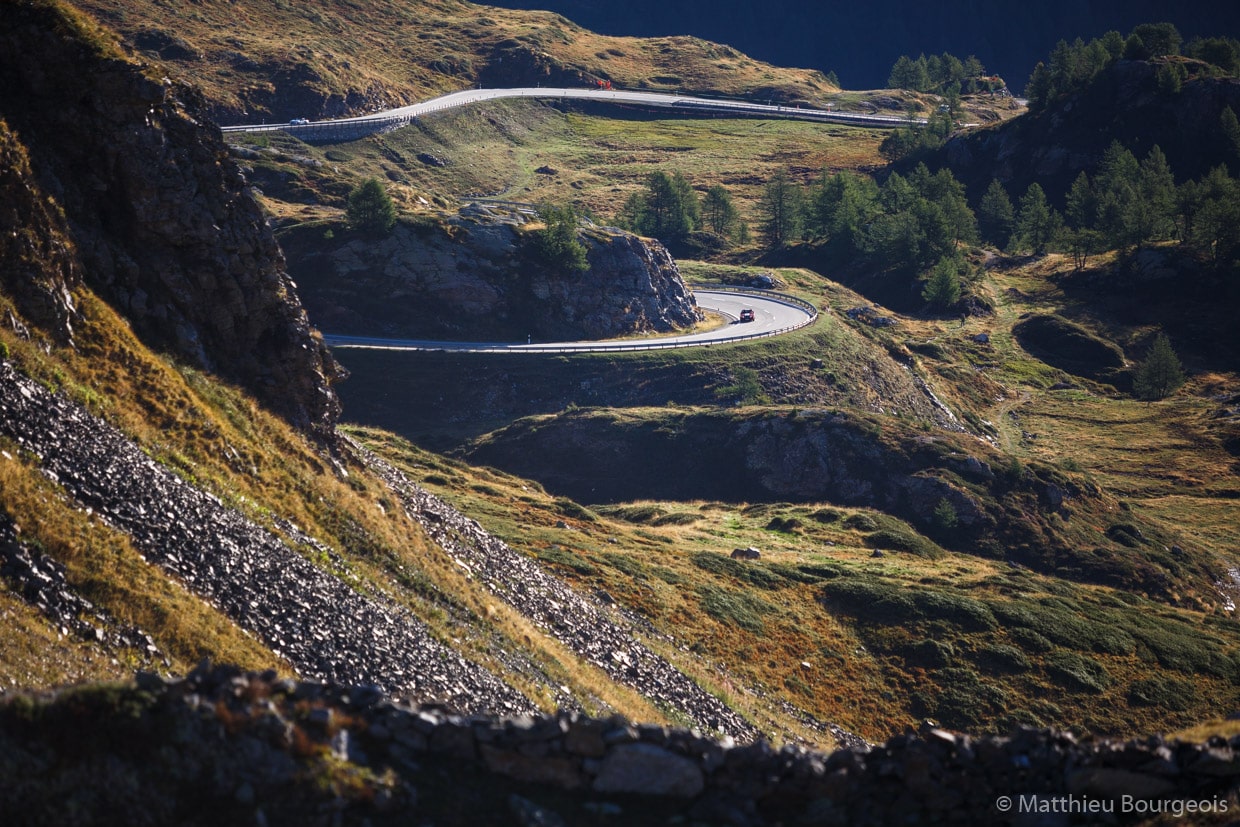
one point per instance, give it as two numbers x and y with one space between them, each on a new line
467 276
37 269
156 216
646 768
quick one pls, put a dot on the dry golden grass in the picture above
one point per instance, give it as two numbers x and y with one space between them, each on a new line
34 654
103 566
393 53
220 439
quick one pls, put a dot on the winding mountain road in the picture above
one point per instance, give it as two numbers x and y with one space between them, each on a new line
774 313
344 128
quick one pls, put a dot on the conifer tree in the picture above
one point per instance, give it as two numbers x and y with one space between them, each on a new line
995 215
556 246
781 208
718 211
1036 223
370 208
943 287
1161 374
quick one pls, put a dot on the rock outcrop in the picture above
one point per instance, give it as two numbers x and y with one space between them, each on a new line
150 210
264 750
469 276
38 268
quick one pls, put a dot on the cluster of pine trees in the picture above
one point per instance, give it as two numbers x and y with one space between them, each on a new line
942 74
1073 66
1127 203
669 209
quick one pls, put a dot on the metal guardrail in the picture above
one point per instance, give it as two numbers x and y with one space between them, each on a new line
811 310
771 295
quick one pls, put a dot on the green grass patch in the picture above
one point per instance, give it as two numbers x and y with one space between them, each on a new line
1077 672
738 608
561 556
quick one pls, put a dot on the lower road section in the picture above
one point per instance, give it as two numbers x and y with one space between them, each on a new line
773 313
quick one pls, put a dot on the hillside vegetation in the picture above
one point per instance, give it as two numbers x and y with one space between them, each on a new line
957 509
280 60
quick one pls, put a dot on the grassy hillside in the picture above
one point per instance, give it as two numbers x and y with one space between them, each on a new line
282 60
591 157
1090 590
873 642
220 440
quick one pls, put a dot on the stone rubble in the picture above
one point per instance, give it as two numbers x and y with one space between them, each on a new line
576 620
574 769
325 629
41 582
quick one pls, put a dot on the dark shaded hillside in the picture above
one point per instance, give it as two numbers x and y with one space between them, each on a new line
860 41
143 204
1037 516
1123 103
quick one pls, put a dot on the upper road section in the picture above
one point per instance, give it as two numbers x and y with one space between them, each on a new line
349 128
774 313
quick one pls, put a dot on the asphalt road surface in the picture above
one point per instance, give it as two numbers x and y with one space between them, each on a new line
772 315
681 103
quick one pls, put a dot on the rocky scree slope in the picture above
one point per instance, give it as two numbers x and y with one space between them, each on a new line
326 628
126 189
225 746
581 623
469 276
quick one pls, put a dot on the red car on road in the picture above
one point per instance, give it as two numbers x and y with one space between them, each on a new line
746 315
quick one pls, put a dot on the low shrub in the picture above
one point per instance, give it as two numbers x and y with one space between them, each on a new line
1002 658
626 564
1030 640
676 518
667 575
868 600
903 541
803 574
785 524
933 654
962 701
1077 671
860 522
1170 693
641 514
716 563
1126 534
1174 646
571 509
964 612
569 559
827 515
